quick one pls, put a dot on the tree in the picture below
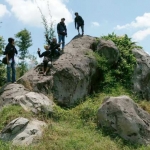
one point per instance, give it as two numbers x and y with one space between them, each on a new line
48 23
2 67
24 42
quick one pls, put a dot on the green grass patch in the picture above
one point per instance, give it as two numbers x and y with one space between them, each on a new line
75 128
10 112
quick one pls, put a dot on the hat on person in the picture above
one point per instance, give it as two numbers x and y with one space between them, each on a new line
62 18
10 40
45 47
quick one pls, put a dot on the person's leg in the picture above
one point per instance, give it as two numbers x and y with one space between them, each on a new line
13 72
57 53
45 68
63 42
59 38
42 67
8 72
82 28
78 29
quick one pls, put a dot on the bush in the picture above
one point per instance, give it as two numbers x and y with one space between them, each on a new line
121 72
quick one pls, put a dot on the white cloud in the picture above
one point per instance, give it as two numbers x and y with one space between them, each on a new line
141 34
3 10
27 11
140 22
95 24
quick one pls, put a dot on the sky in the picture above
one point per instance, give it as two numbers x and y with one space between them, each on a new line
101 17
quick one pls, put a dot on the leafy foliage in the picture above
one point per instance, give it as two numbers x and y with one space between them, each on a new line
48 24
2 66
23 43
121 72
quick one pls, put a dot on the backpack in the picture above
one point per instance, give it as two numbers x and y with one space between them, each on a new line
46 59
4 60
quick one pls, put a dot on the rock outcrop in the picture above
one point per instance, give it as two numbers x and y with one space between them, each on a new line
122 115
22 131
70 78
35 102
108 49
141 77
9 92
30 101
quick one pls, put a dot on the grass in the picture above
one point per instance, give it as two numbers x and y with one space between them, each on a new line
11 112
75 128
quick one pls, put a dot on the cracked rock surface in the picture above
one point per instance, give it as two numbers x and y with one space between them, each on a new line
141 76
123 116
70 78
30 101
22 131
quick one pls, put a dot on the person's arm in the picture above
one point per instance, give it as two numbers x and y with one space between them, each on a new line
47 39
58 45
75 21
16 52
66 30
39 53
58 28
82 20
6 53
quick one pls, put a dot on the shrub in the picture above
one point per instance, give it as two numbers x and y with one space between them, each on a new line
121 72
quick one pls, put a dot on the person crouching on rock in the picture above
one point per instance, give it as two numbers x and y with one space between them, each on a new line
54 46
46 60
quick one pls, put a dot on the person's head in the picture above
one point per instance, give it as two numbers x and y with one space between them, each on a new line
76 14
46 47
62 19
11 40
54 40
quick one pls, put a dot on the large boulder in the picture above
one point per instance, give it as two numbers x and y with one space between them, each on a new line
70 78
122 115
22 131
108 49
141 76
30 101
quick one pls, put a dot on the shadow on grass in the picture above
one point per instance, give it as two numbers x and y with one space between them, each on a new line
115 137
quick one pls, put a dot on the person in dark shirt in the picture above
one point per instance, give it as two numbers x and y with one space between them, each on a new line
62 32
54 46
46 60
79 22
10 52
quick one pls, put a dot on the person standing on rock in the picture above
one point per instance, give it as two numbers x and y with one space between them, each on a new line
10 52
62 32
79 22
46 60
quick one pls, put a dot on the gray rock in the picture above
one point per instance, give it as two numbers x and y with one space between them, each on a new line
30 101
70 78
141 76
21 131
122 115
108 49
9 92
35 102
